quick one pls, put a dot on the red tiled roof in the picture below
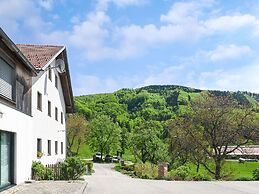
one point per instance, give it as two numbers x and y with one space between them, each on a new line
39 55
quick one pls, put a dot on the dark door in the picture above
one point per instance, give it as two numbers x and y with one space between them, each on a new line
6 158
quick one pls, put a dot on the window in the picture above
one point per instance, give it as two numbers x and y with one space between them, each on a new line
50 75
56 147
56 81
7 80
56 113
49 147
61 148
39 101
39 148
39 145
49 108
61 118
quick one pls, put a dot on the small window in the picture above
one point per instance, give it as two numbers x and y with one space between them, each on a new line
7 80
56 147
61 118
56 81
49 147
56 113
39 101
49 108
61 148
50 75
39 145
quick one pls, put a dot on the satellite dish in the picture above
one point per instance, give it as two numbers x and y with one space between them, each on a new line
60 65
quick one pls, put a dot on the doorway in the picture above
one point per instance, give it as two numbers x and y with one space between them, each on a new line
6 159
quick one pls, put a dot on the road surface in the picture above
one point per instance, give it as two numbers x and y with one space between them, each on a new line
107 181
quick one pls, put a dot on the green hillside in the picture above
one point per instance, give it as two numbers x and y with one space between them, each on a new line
156 102
160 103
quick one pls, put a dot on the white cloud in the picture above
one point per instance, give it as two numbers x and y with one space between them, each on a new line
242 78
181 12
46 4
225 52
228 23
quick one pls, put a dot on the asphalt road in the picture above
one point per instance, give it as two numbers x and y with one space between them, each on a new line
107 181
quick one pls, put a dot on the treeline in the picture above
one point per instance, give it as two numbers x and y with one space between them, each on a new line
143 120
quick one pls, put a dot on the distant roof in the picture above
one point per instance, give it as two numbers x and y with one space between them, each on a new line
39 55
245 150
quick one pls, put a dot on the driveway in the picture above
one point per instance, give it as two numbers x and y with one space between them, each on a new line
107 181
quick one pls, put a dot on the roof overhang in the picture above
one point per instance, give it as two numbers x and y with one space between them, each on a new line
9 43
66 86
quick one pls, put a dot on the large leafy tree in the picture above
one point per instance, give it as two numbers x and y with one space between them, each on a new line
104 135
210 127
146 142
77 132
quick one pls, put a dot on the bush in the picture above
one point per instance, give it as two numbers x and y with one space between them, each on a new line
89 165
256 174
128 167
72 168
146 171
38 170
48 175
201 177
244 179
181 173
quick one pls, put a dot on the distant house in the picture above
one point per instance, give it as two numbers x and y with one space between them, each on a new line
249 151
35 95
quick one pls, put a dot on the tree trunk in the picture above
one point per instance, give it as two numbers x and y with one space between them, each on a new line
197 167
218 169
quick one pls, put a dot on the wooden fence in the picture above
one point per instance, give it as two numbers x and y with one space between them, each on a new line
54 168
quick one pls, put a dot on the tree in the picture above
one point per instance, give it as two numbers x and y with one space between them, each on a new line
77 132
104 135
210 127
146 142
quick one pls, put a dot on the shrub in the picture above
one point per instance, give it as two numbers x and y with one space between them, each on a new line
48 175
201 177
72 168
128 167
244 179
146 171
180 173
256 174
38 170
89 165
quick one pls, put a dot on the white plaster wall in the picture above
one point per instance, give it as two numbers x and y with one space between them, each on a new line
20 124
45 127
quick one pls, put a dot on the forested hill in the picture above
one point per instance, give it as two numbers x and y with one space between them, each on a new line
156 102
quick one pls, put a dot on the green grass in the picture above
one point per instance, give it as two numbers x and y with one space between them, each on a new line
232 169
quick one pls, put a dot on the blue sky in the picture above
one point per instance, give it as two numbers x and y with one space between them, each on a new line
113 44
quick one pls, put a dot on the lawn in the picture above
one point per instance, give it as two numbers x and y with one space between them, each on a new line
232 169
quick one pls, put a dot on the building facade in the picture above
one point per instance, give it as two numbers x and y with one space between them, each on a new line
35 96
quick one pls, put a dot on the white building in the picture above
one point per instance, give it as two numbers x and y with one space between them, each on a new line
35 95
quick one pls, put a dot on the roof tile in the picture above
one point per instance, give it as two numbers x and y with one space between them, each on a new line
39 55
